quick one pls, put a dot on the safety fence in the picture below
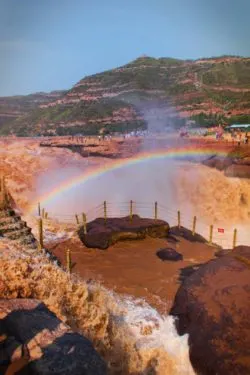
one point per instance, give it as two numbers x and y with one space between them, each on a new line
222 235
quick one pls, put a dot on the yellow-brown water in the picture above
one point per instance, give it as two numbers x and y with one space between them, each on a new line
192 188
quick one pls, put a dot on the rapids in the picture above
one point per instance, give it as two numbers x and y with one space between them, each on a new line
192 188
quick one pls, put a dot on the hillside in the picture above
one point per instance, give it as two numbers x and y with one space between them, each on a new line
13 107
146 91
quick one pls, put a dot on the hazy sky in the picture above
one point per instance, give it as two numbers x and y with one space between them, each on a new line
52 44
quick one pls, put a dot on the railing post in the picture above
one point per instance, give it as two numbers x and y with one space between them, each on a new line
4 186
211 234
68 260
3 195
179 219
156 210
84 219
40 231
46 215
39 209
43 213
234 238
194 225
6 193
131 210
77 219
105 211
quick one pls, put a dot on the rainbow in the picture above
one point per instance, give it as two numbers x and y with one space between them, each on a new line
95 172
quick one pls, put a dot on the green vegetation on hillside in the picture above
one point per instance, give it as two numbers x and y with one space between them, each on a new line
237 73
94 128
186 84
208 120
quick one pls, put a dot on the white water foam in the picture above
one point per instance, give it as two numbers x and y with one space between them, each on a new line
153 332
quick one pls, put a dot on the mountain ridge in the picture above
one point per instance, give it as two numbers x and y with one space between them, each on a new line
146 90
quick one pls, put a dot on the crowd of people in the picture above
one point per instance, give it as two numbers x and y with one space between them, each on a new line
240 137
235 135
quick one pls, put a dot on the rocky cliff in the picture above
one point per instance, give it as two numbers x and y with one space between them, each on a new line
212 306
160 91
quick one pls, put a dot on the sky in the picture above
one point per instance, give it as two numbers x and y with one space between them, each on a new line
49 45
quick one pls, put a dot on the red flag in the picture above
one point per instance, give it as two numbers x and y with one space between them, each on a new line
220 230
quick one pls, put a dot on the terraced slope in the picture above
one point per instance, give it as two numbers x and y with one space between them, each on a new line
13 107
14 228
145 92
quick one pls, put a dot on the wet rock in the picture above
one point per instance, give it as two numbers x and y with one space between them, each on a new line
222 252
243 161
169 254
187 234
213 306
238 170
188 271
101 235
53 347
172 239
220 163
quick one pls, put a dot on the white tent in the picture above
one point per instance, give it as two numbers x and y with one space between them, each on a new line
238 126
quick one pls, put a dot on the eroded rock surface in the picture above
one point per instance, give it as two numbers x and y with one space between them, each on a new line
101 235
213 307
53 347
169 254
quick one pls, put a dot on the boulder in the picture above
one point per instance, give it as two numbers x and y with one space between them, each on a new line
243 161
169 254
188 271
10 349
235 164
220 163
101 234
222 252
172 239
187 234
238 170
53 347
213 307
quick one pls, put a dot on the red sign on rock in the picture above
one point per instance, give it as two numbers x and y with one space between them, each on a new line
220 230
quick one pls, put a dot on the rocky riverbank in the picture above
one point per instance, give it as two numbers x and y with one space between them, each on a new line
213 307
235 164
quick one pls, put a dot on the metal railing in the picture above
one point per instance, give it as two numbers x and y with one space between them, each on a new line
222 235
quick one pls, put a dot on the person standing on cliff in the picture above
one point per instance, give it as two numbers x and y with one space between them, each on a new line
238 139
246 138
233 136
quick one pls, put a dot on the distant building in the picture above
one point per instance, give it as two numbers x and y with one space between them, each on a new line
238 126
